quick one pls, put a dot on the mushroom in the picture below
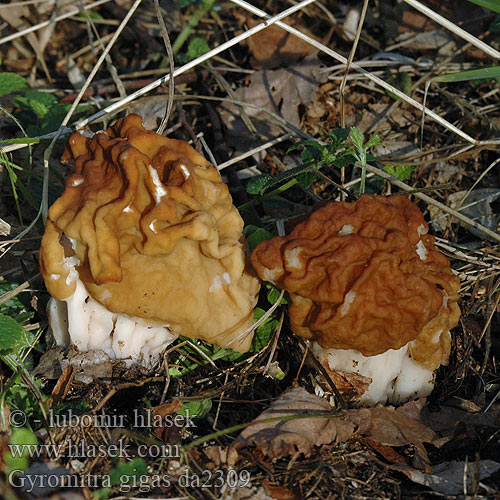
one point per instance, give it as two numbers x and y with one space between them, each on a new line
368 286
144 245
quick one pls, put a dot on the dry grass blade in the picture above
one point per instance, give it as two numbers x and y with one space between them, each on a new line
454 28
170 55
39 26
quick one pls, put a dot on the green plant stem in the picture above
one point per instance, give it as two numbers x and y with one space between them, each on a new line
193 21
276 191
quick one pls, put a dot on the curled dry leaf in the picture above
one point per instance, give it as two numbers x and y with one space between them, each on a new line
160 413
286 437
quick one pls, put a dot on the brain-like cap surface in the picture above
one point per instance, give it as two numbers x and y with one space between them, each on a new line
366 276
155 233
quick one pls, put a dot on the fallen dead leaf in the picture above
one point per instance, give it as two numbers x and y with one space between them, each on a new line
281 91
454 478
274 47
351 385
87 366
160 413
286 437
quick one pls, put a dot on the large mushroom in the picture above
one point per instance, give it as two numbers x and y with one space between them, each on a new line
144 245
368 286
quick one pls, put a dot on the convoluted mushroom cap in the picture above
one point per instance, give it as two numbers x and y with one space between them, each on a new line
148 227
366 277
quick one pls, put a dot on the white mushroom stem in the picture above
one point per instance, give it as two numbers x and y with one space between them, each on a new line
396 377
88 325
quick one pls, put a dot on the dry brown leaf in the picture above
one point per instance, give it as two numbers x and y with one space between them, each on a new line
392 427
274 46
454 478
160 413
286 437
350 385
281 91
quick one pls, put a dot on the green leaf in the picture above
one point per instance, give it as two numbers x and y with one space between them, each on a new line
10 82
226 354
35 101
338 135
357 138
21 437
307 178
372 142
197 47
265 331
464 76
13 337
196 409
257 184
101 494
273 294
493 5
401 172
125 471
256 235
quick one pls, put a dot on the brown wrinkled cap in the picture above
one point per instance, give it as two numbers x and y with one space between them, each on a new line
156 234
356 280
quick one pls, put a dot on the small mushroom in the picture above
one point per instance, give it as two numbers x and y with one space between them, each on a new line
368 286
144 245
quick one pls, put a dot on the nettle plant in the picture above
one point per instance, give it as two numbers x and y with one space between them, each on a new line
342 149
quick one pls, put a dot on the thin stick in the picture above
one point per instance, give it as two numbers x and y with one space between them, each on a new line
253 151
349 61
170 55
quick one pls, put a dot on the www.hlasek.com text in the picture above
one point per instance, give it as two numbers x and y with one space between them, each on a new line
82 449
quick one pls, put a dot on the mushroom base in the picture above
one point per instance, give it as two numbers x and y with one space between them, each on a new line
392 376
82 321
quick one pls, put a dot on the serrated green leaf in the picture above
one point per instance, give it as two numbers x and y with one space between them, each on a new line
13 337
373 141
196 409
338 135
256 235
306 178
257 184
357 138
465 76
401 172
10 82
493 5
197 47
35 101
